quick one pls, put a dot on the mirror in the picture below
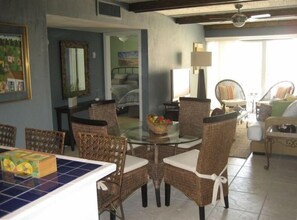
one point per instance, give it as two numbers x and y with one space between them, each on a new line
75 68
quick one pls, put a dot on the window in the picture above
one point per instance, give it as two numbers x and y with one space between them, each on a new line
254 64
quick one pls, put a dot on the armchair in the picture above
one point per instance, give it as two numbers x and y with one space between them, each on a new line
230 94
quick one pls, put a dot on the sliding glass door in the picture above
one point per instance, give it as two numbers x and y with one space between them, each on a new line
254 64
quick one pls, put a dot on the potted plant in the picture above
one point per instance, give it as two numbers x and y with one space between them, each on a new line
71 93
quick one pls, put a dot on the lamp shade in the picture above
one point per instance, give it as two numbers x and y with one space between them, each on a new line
201 58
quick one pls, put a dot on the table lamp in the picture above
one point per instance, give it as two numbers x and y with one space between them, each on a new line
201 59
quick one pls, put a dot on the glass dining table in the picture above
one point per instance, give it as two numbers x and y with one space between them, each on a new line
154 147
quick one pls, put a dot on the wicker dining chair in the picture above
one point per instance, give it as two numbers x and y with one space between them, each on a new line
47 141
202 174
7 135
135 170
191 114
108 149
106 110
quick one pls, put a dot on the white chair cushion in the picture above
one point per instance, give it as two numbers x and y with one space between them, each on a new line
234 102
132 163
186 161
189 145
255 131
133 145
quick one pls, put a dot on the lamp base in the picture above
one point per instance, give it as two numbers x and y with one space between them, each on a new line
201 91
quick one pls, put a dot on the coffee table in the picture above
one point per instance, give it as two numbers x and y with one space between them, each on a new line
272 136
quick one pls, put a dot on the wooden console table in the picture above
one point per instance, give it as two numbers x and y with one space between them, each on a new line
171 110
69 111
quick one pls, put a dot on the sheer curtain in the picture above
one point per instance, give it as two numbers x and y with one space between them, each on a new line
254 64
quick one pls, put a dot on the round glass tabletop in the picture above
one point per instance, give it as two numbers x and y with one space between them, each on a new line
142 135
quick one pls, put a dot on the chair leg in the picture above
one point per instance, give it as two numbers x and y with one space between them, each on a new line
112 214
201 213
158 200
226 199
122 211
167 194
144 195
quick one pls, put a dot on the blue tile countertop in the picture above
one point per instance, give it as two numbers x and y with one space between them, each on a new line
16 192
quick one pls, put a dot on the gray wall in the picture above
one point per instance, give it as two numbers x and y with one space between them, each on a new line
35 113
96 74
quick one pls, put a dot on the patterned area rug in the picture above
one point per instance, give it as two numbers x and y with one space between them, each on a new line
241 145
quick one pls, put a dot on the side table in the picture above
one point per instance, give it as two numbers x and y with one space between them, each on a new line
272 135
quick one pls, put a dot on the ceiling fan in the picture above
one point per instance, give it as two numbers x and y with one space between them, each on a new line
239 19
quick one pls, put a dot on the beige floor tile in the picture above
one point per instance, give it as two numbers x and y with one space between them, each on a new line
231 214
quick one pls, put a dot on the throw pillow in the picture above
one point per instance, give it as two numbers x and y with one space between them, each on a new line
291 111
120 76
291 97
226 92
117 81
282 92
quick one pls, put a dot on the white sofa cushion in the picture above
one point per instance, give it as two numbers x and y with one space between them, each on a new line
291 110
187 160
255 131
132 163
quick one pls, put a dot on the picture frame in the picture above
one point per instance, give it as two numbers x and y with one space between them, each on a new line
15 81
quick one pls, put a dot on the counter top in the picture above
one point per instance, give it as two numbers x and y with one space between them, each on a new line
68 193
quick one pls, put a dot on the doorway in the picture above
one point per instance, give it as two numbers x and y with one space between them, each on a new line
123 72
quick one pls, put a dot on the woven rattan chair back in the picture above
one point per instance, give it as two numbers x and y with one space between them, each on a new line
47 141
218 136
7 135
109 149
106 110
191 114
87 125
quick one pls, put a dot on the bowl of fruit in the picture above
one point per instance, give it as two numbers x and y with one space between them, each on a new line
157 123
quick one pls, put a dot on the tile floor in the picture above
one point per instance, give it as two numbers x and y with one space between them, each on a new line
254 193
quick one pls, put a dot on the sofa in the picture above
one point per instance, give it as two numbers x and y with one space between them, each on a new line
276 113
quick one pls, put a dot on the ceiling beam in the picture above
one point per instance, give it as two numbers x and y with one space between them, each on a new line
227 16
253 25
159 5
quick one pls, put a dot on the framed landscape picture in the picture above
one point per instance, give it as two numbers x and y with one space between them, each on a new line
15 83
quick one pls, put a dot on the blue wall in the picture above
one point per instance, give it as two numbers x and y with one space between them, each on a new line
96 66
37 112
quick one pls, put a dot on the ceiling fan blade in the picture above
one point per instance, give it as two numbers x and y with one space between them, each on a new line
260 16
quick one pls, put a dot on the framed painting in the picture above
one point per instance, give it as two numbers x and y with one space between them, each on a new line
15 83
128 58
